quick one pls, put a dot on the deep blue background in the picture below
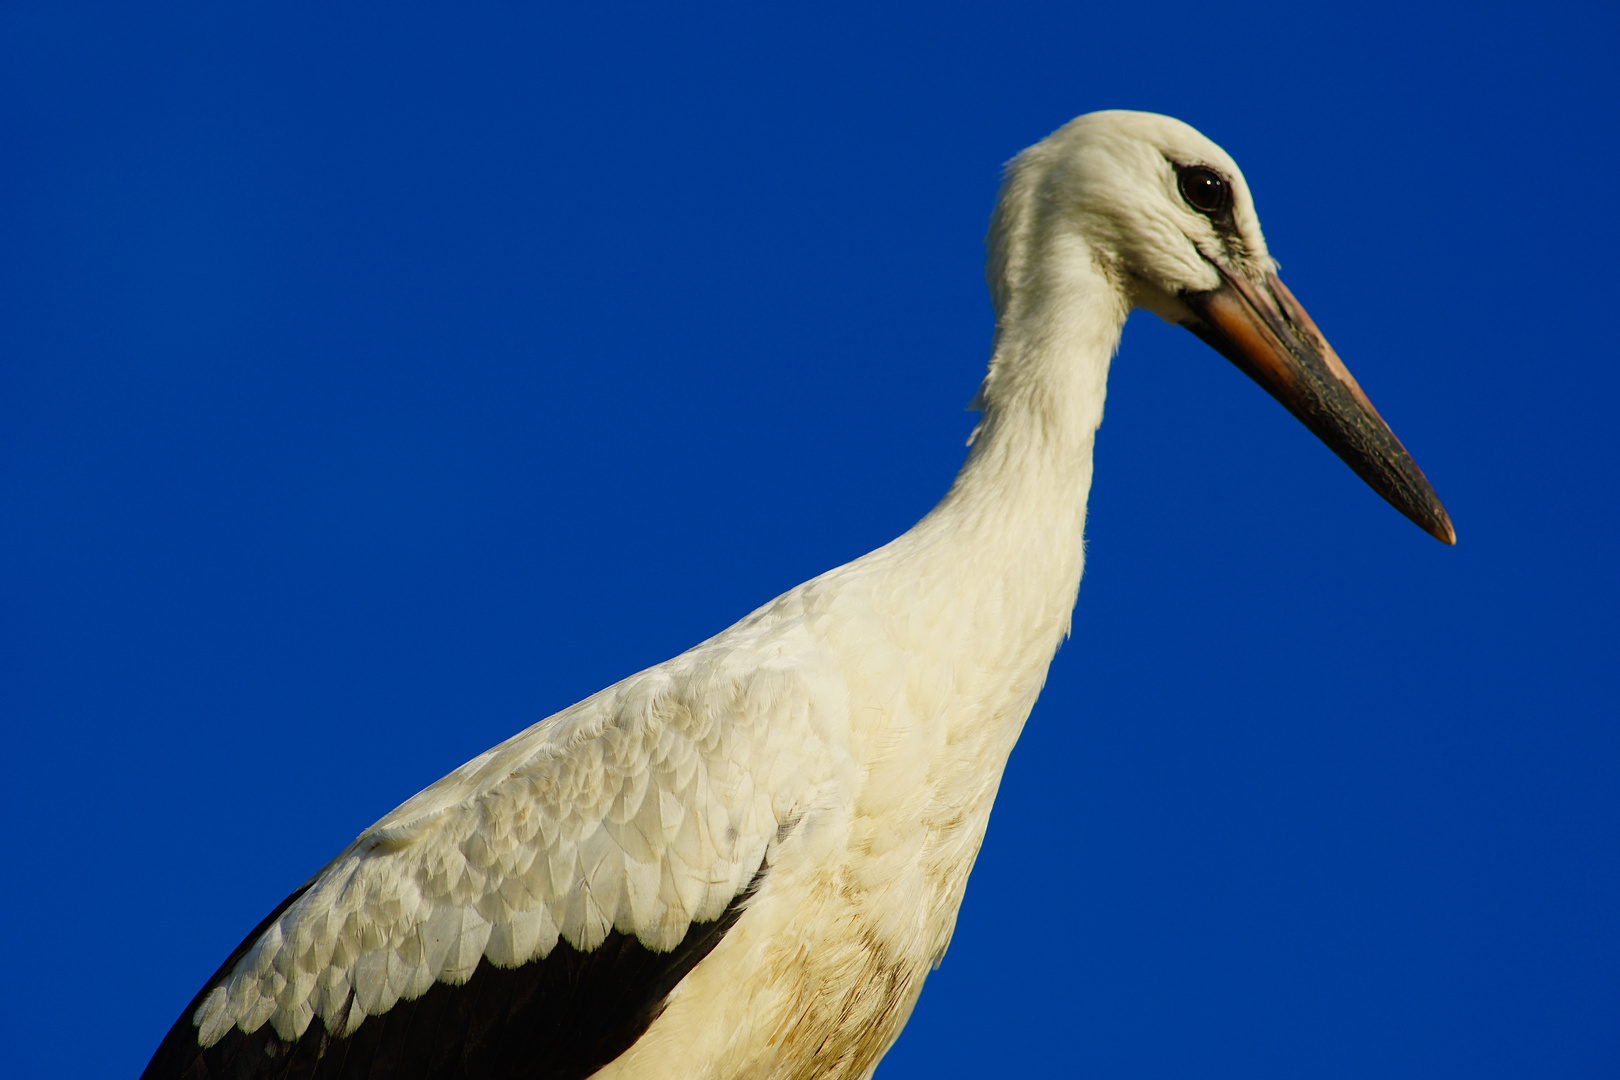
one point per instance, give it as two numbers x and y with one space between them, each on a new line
375 381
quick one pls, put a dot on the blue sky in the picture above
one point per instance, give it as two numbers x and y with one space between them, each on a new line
375 381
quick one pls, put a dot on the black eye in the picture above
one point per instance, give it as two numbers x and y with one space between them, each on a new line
1205 190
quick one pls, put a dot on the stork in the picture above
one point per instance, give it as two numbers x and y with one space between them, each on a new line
743 862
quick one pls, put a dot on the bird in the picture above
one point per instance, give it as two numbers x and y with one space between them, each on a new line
744 862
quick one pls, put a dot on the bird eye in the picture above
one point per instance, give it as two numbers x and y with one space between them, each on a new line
1205 190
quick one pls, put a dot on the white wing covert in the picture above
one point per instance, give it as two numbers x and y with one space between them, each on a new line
644 809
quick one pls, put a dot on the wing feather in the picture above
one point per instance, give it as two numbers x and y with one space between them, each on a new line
628 829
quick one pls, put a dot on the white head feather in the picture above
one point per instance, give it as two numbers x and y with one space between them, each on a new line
1109 179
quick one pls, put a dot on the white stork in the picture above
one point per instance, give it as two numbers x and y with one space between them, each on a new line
744 861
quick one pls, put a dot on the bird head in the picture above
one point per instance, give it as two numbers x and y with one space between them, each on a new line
1166 215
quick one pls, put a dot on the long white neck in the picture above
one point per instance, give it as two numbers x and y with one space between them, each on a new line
1001 555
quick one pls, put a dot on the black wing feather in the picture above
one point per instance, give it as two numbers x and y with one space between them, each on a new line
560 1018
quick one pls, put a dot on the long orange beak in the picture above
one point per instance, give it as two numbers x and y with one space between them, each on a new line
1261 328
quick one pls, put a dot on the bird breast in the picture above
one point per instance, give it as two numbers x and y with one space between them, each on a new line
862 890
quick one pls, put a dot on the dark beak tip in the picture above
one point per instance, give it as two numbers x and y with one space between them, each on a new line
1437 523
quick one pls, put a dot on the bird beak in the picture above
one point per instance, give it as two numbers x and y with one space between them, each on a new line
1261 328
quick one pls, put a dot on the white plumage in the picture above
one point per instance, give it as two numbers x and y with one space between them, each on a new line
839 748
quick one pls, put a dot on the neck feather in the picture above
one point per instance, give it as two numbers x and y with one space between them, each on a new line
1006 541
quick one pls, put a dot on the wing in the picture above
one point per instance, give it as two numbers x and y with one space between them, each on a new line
528 914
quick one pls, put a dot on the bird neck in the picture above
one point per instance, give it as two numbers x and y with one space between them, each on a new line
1008 535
